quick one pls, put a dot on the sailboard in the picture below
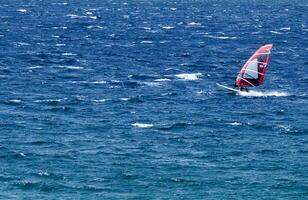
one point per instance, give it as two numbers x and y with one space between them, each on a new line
228 88
253 71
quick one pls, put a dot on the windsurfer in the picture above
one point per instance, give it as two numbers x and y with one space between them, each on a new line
244 89
241 88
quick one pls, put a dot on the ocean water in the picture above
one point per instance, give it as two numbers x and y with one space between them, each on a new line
117 99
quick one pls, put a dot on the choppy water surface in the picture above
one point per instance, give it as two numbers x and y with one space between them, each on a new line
118 99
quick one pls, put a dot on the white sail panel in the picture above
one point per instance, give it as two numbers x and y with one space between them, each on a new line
251 70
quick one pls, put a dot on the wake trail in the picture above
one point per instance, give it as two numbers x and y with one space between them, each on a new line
263 94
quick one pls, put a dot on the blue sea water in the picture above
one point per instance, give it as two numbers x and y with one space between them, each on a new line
117 99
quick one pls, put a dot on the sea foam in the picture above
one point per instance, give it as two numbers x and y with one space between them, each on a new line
189 77
263 94
142 125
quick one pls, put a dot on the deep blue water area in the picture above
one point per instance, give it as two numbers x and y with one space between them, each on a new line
118 99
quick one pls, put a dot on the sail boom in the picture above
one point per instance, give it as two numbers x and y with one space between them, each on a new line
248 82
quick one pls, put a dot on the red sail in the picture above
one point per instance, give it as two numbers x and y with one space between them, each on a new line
252 73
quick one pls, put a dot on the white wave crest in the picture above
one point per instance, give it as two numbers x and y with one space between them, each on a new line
69 54
276 32
35 67
167 27
22 10
60 45
194 24
189 77
43 173
71 67
221 37
100 100
285 28
162 80
14 101
146 42
124 98
235 124
263 94
98 82
47 100
152 84
22 154
141 125
23 44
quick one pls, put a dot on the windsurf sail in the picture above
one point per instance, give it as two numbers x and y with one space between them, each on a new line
252 73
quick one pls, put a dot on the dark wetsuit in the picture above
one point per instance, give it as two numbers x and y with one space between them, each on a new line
243 88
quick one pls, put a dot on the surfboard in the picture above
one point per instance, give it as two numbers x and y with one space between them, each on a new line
228 88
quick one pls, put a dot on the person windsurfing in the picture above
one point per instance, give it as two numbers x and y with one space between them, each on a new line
244 89
253 71
241 88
